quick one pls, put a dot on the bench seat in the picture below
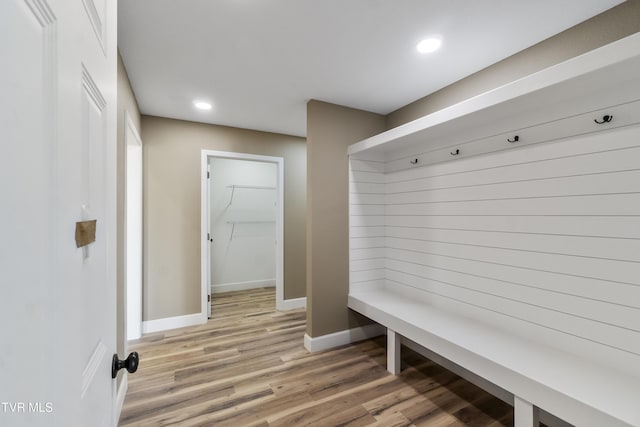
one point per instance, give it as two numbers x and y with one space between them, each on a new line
576 390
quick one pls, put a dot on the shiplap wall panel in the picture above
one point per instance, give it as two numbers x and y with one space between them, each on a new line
367 243
367 231
366 221
612 183
614 314
607 205
579 286
543 238
368 177
357 165
603 269
613 227
367 254
591 247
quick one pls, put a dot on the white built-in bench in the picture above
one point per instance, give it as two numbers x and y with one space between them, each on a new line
575 390
502 235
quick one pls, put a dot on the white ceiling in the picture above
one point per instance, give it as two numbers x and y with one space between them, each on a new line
260 61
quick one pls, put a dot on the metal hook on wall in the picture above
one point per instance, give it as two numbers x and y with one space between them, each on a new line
413 161
455 153
515 139
605 119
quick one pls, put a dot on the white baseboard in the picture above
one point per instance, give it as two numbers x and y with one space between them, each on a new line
149 326
325 342
120 395
292 304
241 286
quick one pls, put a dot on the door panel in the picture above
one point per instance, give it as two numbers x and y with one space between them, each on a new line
57 168
26 192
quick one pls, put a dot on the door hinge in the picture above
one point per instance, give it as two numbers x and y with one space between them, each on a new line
208 175
208 298
208 236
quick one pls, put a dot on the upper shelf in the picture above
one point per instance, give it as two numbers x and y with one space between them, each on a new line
606 76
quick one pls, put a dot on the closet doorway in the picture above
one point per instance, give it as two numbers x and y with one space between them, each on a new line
242 224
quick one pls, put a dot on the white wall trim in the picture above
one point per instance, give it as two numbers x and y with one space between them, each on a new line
132 291
157 325
292 304
120 395
329 341
241 286
205 259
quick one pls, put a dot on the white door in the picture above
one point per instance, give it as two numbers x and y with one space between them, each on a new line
57 167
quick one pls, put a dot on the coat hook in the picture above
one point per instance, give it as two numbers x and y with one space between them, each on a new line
605 119
455 153
413 161
515 139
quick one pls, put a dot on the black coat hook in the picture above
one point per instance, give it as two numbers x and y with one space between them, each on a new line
455 153
605 119
515 139
413 161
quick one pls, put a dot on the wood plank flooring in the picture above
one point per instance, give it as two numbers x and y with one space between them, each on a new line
248 367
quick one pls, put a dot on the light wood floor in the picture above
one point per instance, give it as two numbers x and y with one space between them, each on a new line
247 367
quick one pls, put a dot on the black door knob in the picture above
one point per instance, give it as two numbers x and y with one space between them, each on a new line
130 363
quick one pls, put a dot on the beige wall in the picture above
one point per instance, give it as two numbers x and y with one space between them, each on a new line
171 153
602 29
126 102
330 129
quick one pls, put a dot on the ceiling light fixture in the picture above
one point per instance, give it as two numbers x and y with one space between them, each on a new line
429 45
202 105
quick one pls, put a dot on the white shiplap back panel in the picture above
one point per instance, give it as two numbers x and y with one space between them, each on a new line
543 240
367 231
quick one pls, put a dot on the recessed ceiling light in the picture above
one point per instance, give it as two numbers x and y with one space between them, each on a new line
429 45
202 105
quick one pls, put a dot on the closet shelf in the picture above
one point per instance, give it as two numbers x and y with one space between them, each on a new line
246 187
252 187
251 222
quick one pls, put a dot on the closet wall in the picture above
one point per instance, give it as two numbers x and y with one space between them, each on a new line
243 214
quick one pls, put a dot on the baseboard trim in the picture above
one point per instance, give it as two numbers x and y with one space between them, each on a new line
120 395
329 341
292 304
242 286
150 326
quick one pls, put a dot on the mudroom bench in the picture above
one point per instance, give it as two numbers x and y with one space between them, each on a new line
580 392
502 236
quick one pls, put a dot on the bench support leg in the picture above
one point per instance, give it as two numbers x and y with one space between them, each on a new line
393 352
525 414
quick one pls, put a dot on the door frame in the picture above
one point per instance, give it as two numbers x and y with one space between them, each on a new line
205 258
133 291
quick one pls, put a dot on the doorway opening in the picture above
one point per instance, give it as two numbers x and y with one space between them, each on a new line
133 233
242 224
